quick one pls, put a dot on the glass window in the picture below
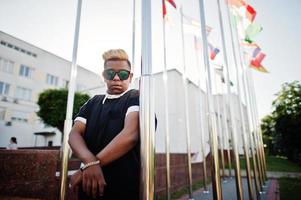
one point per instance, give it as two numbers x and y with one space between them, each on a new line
19 116
26 71
6 65
23 93
52 80
3 43
4 88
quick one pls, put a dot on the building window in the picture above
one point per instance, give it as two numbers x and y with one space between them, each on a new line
18 48
23 93
19 116
4 88
6 65
26 71
52 80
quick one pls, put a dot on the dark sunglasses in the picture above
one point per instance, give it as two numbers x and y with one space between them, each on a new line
123 74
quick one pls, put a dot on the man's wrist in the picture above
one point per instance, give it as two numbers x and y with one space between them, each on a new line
89 164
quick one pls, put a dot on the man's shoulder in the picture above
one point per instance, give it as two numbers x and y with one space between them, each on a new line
133 93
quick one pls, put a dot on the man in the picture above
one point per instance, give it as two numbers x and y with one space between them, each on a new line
105 136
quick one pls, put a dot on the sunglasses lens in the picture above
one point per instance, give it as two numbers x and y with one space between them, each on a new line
109 74
123 75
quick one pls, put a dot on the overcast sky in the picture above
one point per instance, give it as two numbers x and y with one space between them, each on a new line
49 24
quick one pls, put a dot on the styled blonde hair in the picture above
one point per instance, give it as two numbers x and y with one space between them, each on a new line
115 54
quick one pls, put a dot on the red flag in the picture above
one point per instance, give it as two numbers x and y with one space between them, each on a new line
256 63
250 13
164 6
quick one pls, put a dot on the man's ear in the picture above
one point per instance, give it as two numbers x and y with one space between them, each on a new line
131 76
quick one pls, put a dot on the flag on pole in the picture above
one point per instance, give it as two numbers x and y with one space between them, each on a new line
256 52
255 63
251 31
236 3
250 13
213 51
164 6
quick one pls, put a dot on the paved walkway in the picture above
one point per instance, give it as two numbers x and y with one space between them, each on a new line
229 191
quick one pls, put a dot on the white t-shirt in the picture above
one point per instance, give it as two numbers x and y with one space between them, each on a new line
12 146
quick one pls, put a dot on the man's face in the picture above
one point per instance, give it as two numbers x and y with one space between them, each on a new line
116 85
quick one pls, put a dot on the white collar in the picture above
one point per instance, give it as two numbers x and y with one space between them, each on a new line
113 96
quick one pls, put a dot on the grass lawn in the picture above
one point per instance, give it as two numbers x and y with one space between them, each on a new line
276 163
290 188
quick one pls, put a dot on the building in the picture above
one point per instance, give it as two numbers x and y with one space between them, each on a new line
25 71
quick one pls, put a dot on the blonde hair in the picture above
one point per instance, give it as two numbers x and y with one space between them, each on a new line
115 54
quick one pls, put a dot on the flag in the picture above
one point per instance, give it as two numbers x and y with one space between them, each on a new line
236 3
250 13
256 52
213 51
164 6
249 44
255 63
251 31
193 26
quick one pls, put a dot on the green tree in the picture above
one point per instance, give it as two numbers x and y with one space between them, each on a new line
286 119
53 104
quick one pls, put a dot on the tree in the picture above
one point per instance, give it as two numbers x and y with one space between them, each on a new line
286 121
53 104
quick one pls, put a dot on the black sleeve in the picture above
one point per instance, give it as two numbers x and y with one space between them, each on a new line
85 110
134 99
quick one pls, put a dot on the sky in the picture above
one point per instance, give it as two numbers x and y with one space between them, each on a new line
49 24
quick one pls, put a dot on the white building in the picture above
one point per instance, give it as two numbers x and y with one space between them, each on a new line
198 116
25 71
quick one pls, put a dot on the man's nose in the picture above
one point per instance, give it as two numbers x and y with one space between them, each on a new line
116 77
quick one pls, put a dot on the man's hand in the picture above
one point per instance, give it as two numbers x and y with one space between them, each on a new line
76 180
93 181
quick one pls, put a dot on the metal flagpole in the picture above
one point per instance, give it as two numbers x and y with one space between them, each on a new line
253 148
225 112
216 182
259 130
219 125
202 122
167 143
242 116
261 171
70 101
257 148
147 116
186 109
134 35
239 189
249 113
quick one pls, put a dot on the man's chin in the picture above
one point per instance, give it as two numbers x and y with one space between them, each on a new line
116 91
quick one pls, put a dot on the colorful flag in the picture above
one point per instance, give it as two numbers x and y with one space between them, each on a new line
255 63
256 52
251 31
164 6
213 51
250 13
236 3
